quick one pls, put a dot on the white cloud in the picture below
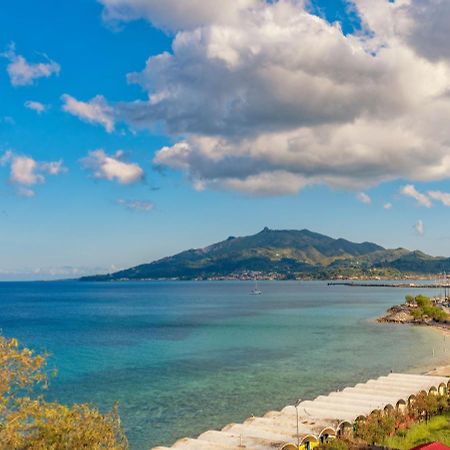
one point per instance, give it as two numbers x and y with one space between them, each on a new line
97 110
263 184
387 205
422 199
23 73
173 14
26 172
443 197
267 91
136 205
53 167
420 228
35 106
113 168
364 198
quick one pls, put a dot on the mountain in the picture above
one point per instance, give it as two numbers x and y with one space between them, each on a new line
418 262
283 254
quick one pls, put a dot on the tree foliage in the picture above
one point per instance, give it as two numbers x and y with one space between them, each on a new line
380 426
376 427
425 308
28 422
427 405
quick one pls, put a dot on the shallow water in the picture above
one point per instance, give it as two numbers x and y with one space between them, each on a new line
183 357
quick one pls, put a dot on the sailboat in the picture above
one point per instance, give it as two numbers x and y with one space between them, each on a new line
256 290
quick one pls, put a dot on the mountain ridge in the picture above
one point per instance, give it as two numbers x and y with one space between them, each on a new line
283 254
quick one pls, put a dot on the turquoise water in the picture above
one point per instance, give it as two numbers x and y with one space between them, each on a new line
183 357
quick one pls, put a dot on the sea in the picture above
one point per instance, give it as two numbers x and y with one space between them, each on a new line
185 357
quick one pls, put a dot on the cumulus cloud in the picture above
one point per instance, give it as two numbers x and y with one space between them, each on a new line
26 172
419 227
387 205
96 111
422 199
112 167
427 29
426 199
443 197
364 198
23 73
173 14
268 92
35 106
136 205
53 167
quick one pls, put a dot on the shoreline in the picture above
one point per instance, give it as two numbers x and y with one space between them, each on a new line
442 371
412 313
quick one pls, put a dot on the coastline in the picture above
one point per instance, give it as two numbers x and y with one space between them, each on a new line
246 381
405 314
443 329
443 371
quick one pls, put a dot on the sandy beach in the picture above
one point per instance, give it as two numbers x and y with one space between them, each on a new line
443 371
444 329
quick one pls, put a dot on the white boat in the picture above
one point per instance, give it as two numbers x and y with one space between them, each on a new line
256 290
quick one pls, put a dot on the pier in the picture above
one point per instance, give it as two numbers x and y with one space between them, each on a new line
390 285
310 422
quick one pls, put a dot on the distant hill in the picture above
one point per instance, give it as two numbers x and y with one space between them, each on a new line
283 254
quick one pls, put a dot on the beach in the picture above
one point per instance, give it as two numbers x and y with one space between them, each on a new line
443 371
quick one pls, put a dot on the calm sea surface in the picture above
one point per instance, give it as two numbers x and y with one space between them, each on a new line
183 357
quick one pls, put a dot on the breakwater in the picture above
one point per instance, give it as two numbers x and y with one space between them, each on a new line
390 285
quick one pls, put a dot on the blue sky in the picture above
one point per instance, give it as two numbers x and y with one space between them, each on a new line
65 210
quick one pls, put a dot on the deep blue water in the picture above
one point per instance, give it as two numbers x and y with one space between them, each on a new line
183 357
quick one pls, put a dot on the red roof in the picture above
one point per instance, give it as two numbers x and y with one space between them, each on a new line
432 446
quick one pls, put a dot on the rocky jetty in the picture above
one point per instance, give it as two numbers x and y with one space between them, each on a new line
398 314
420 310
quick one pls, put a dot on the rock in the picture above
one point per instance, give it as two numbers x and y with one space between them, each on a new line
397 314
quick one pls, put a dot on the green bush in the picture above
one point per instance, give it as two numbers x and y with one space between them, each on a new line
425 307
437 429
375 428
334 444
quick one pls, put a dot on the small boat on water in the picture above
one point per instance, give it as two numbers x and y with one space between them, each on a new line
256 290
